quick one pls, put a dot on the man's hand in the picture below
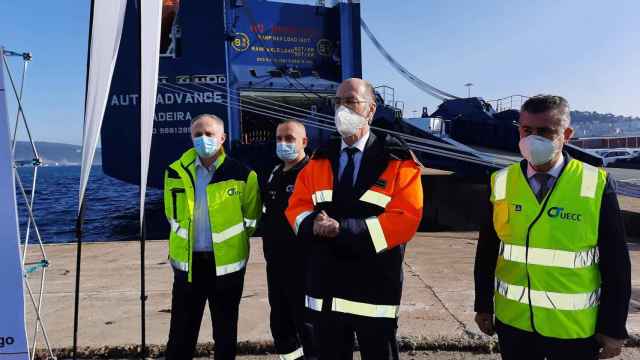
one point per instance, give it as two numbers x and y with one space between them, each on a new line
610 347
485 323
325 226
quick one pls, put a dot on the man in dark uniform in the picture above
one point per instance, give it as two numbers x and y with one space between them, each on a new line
356 204
284 254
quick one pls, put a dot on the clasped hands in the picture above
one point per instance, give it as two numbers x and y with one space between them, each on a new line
325 226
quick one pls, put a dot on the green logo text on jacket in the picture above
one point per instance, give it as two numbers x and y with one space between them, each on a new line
234 204
547 274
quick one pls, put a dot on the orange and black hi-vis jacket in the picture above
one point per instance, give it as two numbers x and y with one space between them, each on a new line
360 271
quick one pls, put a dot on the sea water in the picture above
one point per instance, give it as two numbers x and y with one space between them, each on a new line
112 206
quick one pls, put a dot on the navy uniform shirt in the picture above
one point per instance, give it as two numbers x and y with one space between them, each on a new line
279 240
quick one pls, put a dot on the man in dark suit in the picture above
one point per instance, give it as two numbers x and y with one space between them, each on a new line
552 272
356 203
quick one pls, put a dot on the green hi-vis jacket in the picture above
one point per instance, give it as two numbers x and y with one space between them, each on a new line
234 203
547 274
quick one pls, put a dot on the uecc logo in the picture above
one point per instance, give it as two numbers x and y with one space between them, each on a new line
555 212
6 340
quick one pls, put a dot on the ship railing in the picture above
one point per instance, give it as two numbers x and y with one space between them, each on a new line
513 102
398 107
387 94
175 36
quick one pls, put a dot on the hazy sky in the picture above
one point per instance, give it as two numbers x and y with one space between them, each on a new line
586 50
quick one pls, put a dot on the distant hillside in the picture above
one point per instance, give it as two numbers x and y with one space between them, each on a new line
589 123
52 153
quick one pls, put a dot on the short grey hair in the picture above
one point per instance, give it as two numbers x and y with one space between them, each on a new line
216 119
544 103
371 90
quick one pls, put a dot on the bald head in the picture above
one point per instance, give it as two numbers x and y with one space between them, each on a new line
357 86
292 132
293 126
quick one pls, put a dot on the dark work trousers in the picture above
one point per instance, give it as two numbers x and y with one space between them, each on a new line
516 344
187 307
286 299
336 333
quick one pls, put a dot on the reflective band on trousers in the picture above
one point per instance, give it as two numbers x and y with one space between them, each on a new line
298 353
547 299
250 222
175 227
227 234
179 265
550 257
322 196
228 269
300 218
588 186
364 309
376 233
313 303
375 198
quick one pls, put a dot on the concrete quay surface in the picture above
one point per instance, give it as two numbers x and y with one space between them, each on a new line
436 311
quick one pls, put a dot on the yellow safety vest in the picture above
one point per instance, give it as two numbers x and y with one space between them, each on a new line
547 273
234 203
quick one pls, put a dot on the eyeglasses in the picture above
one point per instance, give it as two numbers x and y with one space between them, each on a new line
348 101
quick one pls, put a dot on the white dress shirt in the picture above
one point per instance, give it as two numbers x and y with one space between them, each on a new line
554 172
357 157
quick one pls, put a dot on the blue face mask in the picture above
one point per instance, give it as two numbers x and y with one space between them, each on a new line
206 146
286 151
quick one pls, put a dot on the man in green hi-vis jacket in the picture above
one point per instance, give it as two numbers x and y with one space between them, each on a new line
212 203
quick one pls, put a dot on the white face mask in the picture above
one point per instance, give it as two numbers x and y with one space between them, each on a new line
537 149
348 121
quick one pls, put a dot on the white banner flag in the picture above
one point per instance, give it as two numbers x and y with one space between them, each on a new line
106 30
13 335
150 22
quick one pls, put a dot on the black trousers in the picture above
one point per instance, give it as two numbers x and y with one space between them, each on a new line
524 345
336 333
187 307
289 329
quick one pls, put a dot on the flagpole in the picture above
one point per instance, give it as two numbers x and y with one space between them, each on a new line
80 219
143 297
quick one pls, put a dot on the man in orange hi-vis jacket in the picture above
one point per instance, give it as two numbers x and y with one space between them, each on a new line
356 204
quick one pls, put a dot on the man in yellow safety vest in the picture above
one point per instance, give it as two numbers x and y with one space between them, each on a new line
552 270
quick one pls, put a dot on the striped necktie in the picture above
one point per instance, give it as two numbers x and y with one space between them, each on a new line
543 181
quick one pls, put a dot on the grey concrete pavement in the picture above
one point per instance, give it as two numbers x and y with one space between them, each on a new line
436 312
627 354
